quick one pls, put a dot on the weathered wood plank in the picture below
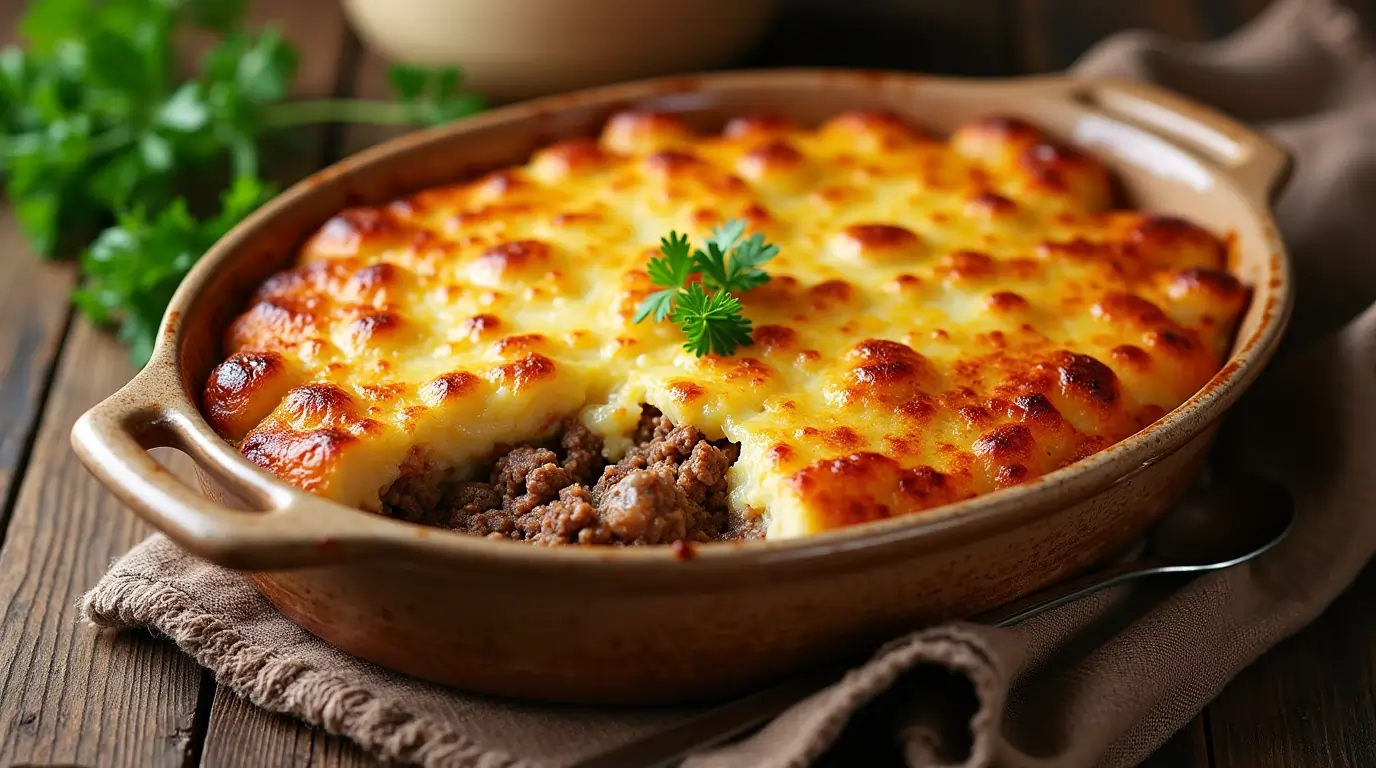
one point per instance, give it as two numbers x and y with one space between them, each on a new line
34 312
370 82
1309 703
244 736
67 693
1187 749
963 37
33 316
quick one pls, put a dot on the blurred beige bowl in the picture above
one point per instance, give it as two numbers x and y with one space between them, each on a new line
516 49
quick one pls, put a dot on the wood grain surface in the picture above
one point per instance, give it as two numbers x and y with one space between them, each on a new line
68 694
963 37
73 696
241 735
34 313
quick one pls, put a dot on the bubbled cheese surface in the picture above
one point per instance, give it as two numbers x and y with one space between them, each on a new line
946 316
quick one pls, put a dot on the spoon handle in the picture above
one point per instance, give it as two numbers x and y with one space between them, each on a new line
1067 592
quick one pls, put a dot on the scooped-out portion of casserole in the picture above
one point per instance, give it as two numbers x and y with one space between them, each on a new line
945 317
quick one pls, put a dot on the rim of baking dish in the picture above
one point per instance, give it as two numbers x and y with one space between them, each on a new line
939 525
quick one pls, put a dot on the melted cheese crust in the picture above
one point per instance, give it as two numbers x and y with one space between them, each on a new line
945 317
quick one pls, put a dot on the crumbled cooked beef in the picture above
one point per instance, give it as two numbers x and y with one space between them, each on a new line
418 494
645 505
529 477
572 518
582 452
652 421
466 502
473 497
673 445
670 486
702 477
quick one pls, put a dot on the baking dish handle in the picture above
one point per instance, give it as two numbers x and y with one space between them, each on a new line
1259 166
280 528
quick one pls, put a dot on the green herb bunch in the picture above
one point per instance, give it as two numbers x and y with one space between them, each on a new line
97 127
711 322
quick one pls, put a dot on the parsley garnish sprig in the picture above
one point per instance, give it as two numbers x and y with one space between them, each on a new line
711 322
99 128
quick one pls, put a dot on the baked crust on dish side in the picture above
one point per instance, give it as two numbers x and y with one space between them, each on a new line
945 317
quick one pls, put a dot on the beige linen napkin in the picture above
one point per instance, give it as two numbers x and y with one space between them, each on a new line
1101 682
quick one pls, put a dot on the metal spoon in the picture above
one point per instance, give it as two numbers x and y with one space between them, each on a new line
1218 526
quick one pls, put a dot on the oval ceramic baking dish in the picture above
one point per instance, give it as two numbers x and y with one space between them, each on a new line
653 624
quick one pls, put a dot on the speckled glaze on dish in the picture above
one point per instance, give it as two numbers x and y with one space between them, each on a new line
660 624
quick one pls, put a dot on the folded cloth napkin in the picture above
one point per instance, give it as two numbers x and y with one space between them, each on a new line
1100 682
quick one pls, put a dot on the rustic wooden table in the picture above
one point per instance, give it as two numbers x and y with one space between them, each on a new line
69 695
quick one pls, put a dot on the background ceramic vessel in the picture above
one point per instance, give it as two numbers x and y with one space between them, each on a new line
646 624
516 49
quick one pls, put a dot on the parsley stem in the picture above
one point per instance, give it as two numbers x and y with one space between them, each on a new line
344 111
114 139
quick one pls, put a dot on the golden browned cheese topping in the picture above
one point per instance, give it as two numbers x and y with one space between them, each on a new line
946 317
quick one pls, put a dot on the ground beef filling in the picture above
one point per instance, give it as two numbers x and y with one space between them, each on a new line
670 486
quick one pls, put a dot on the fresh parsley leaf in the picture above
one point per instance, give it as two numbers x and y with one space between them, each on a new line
185 111
669 272
407 82
673 269
659 304
218 15
242 198
133 268
97 126
727 235
46 181
712 262
49 21
744 271
254 68
712 323
729 266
